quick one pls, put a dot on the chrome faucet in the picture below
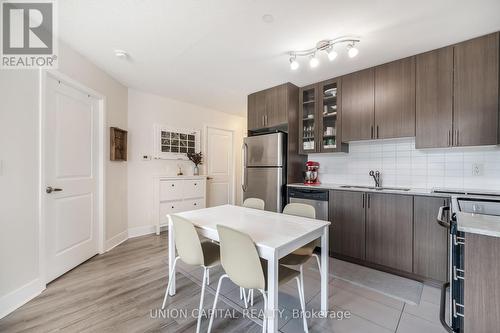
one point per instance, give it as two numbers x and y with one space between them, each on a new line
376 177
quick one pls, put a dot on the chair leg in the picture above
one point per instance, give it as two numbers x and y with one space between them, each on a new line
208 276
300 288
215 302
251 297
170 278
241 293
264 319
301 269
245 299
318 261
203 284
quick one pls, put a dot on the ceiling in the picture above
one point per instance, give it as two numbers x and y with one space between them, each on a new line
213 53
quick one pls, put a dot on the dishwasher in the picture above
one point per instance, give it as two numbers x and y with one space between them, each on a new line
317 198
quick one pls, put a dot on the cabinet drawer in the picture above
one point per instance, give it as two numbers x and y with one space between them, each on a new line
193 204
170 190
194 188
170 207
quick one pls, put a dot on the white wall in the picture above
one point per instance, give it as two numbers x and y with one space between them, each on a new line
18 179
402 165
145 110
19 107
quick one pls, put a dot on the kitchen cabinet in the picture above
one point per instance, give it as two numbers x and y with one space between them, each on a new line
481 287
347 231
308 124
389 230
358 103
476 93
430 240
434 99
395 99
270 108
457 95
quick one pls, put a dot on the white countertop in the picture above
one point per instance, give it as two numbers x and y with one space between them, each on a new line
412 191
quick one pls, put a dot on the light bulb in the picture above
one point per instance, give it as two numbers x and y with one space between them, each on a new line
332 55
352 51
313 62
294 64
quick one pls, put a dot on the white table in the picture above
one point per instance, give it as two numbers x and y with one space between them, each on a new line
275 236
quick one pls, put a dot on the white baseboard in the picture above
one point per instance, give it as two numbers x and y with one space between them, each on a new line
144 230
20 296
116 240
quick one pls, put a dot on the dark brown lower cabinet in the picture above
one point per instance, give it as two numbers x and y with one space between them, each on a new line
430 240
347 231
389 230
482 283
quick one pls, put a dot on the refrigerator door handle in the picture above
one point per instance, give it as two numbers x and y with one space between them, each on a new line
440 217
244 175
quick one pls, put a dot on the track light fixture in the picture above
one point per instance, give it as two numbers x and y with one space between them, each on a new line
327 46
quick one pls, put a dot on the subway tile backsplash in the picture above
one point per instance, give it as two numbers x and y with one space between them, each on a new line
402 165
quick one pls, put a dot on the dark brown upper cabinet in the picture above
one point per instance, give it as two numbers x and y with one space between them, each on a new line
358 103
476 91
269 108
457 95
308 119
434 98
395 99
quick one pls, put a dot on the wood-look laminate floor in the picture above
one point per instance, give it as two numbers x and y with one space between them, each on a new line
121 290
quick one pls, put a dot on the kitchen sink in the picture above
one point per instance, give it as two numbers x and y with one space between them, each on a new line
377 188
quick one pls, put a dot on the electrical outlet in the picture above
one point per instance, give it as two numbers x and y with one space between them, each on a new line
477 169
146 157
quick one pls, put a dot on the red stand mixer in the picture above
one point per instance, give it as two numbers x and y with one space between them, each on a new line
311 173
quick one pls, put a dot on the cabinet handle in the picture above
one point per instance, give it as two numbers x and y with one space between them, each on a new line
363 202
457 143
449 138
377 131
266 119
368 201
371 132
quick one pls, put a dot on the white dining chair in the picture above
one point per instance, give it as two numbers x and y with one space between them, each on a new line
259 204
192 252
243 267
254 203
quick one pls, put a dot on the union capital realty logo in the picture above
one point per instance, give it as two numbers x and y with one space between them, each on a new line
28 34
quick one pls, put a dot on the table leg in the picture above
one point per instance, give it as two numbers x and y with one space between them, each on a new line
272 294
171 253
324 270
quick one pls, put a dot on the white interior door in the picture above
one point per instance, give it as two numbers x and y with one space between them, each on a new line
71 157
220 167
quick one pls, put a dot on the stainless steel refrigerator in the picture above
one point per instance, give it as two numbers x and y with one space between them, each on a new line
264 169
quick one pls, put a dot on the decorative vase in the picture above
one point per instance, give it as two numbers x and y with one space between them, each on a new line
196 170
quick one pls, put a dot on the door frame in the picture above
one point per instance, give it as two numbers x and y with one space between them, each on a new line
233 162
43 77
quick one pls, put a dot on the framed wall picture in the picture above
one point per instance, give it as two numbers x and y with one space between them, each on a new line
175 143
118 144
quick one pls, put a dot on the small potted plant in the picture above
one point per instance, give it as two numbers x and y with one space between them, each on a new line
196 158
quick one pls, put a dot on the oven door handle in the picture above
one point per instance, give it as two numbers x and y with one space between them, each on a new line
442 308
440 218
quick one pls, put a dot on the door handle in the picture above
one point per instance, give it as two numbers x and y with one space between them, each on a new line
244 176
440 217
50 189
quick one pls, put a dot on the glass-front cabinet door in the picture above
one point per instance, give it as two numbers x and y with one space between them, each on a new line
308 102
329 117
